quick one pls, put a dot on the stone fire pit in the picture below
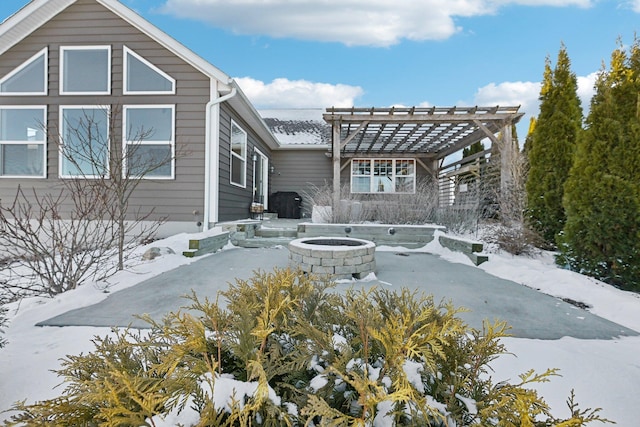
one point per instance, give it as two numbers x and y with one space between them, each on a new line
342 257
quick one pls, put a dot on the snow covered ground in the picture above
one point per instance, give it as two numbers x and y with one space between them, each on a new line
603 374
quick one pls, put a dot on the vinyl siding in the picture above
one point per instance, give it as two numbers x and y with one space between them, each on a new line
301 170
234 201
88 23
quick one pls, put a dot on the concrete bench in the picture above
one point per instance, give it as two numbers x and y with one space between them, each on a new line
206 245
470 248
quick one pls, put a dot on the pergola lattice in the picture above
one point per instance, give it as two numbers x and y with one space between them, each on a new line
427 134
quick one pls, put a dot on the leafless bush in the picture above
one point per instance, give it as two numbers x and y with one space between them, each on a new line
3 323
349 210
55 239
517 240
459 219
512 233
47 254
416 208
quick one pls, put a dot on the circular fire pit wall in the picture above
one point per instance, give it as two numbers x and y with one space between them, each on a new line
343 257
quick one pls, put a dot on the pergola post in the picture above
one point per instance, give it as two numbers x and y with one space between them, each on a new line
336 163
506 159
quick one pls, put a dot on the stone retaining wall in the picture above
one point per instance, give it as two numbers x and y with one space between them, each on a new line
409 236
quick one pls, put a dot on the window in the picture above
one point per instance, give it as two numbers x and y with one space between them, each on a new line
149 141
85 141
142 77
383 176
30 78
22 141
238 155
85 70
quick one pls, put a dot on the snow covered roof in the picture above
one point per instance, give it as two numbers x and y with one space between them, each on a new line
299 127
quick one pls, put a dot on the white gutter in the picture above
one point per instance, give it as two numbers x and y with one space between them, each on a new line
209 140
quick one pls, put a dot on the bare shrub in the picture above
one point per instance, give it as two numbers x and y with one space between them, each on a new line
349 210
416 208
512 233
459 219
54 239
46 255
3 323
514 240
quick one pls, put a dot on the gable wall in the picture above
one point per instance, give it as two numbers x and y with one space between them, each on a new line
88 23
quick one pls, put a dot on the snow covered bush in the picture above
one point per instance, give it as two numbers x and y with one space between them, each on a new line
285 350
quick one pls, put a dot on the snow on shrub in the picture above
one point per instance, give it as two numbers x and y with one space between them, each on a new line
283 349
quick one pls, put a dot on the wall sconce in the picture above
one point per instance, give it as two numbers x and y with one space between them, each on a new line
254 157
272 169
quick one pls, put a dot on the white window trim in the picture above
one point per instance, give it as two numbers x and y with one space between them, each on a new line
83 47
24 65
232 154
265 175
43 143
371 175
61 156
125 62
171 143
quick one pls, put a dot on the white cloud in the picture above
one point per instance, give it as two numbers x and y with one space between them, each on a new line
635 5
553 3
526 95
352 22
284 93
586 90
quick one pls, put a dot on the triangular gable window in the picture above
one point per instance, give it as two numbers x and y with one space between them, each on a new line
30 78
142 77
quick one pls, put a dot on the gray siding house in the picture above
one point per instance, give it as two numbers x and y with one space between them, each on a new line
66 62
62 60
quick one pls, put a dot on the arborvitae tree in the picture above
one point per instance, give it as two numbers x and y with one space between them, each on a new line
552 147
528 142
602 194
474 148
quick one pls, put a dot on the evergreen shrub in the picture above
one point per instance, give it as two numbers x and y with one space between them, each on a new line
286 350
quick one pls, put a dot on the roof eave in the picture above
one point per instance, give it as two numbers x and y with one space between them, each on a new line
241 104
34 14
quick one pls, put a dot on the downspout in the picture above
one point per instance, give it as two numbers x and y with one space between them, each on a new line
209 139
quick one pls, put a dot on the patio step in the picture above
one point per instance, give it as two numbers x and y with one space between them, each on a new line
256 235
262 242
277 232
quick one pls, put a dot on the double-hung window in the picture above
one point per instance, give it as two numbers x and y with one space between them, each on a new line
84 141
238 155
30 78
22 141
149 140
85 70
383 176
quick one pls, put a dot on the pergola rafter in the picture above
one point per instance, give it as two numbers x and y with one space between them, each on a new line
431 133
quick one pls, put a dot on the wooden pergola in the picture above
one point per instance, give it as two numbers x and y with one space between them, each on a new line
426 134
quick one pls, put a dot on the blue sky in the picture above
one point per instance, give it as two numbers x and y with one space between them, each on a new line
320 53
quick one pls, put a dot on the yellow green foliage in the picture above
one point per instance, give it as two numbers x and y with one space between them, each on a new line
314 357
